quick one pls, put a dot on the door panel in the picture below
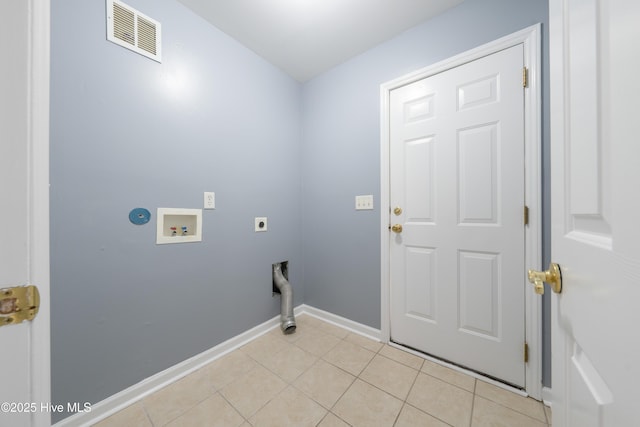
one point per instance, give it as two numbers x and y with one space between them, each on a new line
477 173
479 294
419 164
595 201
457 172
420 301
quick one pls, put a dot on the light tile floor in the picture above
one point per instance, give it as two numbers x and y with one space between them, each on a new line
325 376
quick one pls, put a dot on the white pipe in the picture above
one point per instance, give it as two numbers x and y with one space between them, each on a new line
288 321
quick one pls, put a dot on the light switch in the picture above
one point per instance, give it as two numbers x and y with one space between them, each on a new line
364 202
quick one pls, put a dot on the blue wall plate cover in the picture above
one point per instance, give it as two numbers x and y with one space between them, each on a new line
139 216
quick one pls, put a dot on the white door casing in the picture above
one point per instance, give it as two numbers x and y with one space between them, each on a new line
595 203
24 216
483 262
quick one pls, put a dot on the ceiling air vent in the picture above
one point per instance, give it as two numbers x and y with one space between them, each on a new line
131 29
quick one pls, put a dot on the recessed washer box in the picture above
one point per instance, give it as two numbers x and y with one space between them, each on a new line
178 226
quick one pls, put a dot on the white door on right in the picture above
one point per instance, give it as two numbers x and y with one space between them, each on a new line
595 158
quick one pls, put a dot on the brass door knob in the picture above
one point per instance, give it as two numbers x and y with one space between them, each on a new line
552 276
396 228
397 210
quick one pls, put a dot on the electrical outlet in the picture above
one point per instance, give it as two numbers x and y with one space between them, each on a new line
209 200
261 223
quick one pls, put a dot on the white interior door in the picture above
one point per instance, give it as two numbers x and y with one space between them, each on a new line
457 178
595 205
24 213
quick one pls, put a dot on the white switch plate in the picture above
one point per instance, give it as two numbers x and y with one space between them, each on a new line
209 200
364 202
261 223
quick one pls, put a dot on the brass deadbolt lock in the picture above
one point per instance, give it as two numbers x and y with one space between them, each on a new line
396 228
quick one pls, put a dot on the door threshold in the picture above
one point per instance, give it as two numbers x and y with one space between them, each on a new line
461 369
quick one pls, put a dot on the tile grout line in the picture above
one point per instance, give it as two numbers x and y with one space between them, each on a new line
429 414
146 413
419 371
290 384
546 416
513 409
473 402
234 408
266 403
258 365
404 402
355 377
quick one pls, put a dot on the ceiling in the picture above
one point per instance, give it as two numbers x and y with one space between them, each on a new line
306 37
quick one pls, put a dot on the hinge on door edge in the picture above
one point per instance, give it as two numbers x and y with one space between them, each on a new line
525 77
526 353
526 215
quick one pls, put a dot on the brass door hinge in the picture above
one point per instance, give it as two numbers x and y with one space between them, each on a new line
526 215
525 77
526 353
18 304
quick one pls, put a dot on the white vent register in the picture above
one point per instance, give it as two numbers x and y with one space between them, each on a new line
131 29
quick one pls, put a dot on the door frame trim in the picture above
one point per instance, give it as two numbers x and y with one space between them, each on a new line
530 38
39 33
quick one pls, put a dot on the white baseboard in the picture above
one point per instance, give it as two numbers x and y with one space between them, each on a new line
131 395
342 322
547 396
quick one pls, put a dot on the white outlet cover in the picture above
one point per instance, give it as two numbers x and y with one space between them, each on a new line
261 223
209 200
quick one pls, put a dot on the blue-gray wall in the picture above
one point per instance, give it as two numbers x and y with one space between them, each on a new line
341 149
124 308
